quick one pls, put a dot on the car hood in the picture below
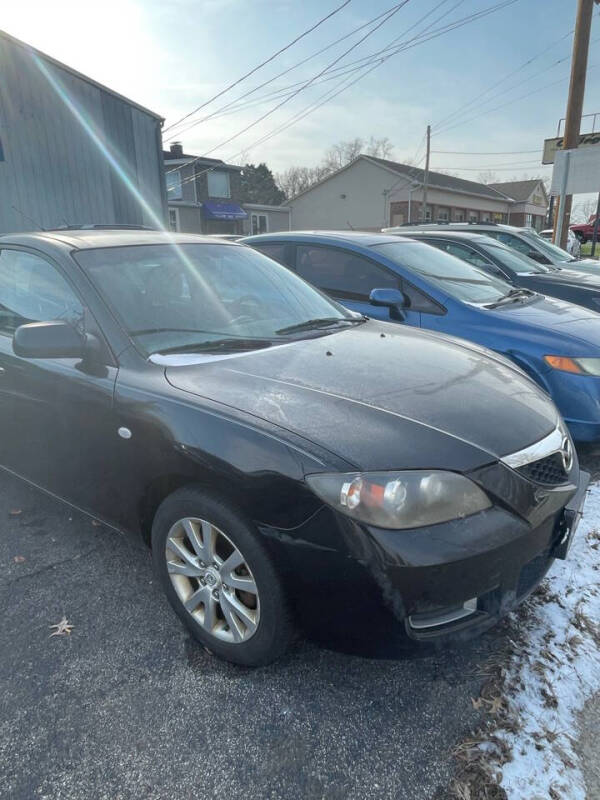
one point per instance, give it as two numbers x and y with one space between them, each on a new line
560 320
571 277
382 396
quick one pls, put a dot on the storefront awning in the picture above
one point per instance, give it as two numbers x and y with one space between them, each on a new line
214 210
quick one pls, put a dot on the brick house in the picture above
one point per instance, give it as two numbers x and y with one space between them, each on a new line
530 206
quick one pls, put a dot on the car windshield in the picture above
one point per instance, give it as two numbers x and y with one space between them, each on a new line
188 297
556 254
515 261
453 276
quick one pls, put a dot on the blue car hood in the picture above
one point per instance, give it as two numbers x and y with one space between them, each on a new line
557 318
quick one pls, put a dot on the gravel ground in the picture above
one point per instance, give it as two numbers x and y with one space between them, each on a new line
127 706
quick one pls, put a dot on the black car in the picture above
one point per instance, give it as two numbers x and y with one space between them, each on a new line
482 251
286 459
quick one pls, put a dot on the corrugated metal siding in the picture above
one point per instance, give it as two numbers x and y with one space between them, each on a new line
53 171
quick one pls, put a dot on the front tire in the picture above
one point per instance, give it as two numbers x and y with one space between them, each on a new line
219 578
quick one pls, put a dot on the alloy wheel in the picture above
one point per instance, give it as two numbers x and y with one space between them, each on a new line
212 580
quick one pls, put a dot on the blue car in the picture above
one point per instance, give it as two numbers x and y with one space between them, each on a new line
404 281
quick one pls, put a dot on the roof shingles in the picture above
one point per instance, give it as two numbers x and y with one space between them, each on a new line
440 180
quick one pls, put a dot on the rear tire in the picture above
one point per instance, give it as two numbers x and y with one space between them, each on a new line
219 578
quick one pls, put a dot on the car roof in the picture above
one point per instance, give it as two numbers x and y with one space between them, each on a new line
362 238
85 239
469 236
457 226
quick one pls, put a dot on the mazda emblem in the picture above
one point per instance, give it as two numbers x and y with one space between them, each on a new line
566 454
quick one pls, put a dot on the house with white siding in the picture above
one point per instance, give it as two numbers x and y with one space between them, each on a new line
372 193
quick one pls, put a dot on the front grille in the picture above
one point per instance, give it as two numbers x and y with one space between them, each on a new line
548 471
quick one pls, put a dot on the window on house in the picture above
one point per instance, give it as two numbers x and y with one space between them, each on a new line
473 216
259 223
173 220
443 214
174 188
528 220
218 184
32 290
341 272
459 216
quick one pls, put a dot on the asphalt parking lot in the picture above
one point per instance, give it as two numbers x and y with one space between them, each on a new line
128 706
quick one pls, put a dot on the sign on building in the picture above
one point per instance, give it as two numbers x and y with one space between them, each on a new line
552 145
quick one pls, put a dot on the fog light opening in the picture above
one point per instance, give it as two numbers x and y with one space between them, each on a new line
443 616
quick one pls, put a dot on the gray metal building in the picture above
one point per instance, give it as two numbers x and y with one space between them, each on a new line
71 150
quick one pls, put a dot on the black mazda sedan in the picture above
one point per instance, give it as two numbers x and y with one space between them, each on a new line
285 459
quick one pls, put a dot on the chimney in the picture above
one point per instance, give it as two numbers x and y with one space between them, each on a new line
176 150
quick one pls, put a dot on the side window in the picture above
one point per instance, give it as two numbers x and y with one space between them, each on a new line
278 251
466 254
419 301
342 272
512 241
32 290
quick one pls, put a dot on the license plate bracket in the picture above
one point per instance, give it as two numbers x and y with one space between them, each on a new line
570 518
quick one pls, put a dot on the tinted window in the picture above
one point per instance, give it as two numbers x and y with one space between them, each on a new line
32 290
460 251
453 276
512 241
342 272
515 261
188 296
275 250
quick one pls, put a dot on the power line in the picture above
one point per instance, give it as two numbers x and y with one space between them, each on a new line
441 125
309 82
246 95
509 102
350 67
346 84
255 69
480 153
335 91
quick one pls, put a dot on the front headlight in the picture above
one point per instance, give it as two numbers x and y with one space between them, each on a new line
578 366
397 500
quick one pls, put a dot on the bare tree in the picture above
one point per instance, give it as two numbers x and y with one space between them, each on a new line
297 179
381 148
343 153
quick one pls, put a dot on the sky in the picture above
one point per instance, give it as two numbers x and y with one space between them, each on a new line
174 55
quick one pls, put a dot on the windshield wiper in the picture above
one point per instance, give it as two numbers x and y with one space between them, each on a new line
511 297
217 346
319 322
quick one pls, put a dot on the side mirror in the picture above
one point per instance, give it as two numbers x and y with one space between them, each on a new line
389 298
56 339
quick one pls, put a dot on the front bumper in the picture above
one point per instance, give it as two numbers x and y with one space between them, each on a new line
354 584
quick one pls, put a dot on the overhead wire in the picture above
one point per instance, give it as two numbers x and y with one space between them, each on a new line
261 65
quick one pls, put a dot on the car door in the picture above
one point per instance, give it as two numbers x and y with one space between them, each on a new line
56 414
349 278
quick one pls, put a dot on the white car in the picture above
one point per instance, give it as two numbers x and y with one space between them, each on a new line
573 243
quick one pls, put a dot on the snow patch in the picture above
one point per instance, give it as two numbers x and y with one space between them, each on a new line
555 671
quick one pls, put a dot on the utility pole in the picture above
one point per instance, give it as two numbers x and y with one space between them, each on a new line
426 177
581 43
